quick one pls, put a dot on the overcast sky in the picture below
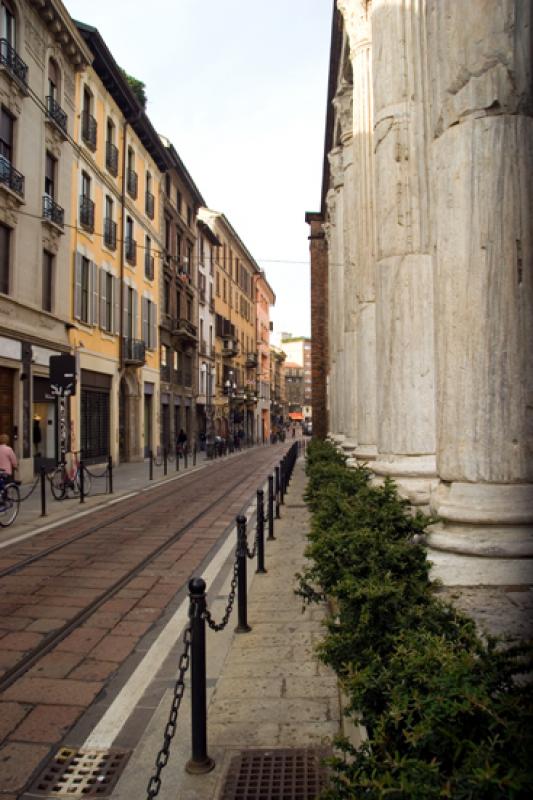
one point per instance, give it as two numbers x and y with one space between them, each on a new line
239 87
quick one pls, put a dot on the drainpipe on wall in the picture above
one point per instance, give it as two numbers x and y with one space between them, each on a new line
122 219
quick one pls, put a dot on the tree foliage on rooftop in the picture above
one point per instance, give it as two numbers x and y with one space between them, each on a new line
137 86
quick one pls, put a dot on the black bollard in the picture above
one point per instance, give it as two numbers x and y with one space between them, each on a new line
43 492
260 531
271 508
194 456
151 466
242 626
185 458
282 481
110 473
277 493
82 482
177 460
165 461
199 761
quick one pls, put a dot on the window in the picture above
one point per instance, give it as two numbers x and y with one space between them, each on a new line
5 243
88 122
54 77
189 216
85 185
167 185
189 259
224 290
149 323
178 201
130 243
7 23
108 302
86 290
50 176
149 198
178 246
48 278
167 234
189 310
110 226
131 175
163 350
166 297
148 259
178 304
111 150
218 284
6 136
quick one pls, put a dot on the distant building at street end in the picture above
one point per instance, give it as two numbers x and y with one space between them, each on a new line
299 351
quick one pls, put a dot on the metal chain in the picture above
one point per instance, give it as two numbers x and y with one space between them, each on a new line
251 553
229 607
103 474
154 784
21 499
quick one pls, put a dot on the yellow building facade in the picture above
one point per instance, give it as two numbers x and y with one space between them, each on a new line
116 252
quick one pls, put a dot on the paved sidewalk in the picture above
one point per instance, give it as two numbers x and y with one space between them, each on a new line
266 688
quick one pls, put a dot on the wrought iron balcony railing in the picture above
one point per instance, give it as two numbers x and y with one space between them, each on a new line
251 360
165 373
87 213
149 205
110 233
56 113
149 270
52 211
10 59
11 177
89 128
134 350
130 248
111 158
184 329
132 183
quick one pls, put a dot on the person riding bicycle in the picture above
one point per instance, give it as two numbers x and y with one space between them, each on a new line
8 459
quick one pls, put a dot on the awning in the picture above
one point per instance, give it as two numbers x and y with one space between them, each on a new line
296 416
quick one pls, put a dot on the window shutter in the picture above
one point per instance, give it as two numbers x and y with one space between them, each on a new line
153 326
103 297
94 293
125 330
134 333
116 306
144 321
77 286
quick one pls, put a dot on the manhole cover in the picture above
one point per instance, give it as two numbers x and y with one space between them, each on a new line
297 774
81 773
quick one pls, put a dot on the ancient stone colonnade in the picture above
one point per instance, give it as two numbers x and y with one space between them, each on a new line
428 217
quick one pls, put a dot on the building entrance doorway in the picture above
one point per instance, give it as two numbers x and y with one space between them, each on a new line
6 402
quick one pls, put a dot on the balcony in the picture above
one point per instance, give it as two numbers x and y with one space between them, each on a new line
87 213
149 270
184 329
110 233
251 360
11 178
132 183
52 212
134 351
89 127
10 59
55 114
230 347
111 158
130 250
149 205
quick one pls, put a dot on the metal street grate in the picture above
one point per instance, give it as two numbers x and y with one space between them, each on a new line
81 773
295 774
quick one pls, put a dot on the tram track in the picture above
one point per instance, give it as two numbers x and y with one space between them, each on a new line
53 639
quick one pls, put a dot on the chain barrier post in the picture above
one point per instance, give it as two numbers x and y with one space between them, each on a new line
194 455
199 761
242 555
43 491
82 482
271 507
277 493
185 459
260 531
165 461
110 473
282 481
150 466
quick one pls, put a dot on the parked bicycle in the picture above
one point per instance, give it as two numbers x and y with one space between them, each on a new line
9 499
65 480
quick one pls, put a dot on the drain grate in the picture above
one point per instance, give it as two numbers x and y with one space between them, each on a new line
81 773
296 774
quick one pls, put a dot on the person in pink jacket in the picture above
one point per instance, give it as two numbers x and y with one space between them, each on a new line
8 459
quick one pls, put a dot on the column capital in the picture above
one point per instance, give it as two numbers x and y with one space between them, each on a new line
356 17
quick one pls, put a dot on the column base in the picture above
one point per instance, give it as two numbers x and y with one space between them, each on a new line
415 476
366 452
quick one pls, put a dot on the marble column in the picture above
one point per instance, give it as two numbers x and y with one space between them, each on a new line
404 267
336 318
482 152
356 17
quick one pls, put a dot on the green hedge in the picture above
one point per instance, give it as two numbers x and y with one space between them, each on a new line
448 714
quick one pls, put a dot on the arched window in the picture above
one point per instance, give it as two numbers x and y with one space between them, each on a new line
54 80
